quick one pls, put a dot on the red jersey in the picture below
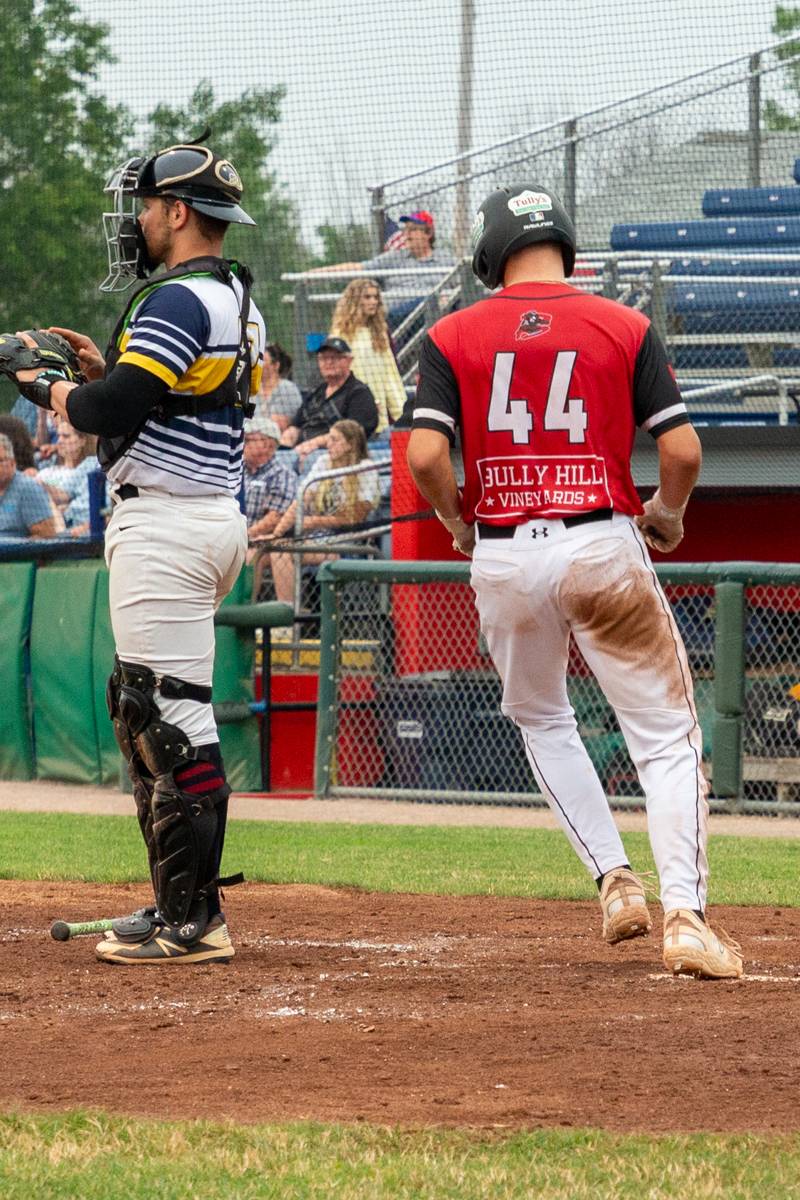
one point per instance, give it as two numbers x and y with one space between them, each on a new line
546 385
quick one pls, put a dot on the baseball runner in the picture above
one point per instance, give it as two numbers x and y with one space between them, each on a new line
169 402
547 385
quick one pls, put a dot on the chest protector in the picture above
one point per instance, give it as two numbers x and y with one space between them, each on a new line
235 387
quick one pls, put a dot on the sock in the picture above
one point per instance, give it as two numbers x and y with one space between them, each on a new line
626 866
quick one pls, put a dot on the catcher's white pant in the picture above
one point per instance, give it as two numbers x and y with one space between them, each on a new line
172 560
597 582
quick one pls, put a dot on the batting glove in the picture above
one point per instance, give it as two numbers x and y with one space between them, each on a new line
661 527
463 534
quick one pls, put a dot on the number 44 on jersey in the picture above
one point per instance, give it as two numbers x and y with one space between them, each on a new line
562 410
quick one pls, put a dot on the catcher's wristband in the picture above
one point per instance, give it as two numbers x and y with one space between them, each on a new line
38 390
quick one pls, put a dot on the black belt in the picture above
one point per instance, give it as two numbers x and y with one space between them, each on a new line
126 491
507 531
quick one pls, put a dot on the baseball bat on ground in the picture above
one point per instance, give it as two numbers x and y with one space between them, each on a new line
62 931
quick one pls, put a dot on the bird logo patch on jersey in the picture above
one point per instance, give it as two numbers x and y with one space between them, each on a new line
532 324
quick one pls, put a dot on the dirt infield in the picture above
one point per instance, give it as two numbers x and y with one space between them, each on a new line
344 1005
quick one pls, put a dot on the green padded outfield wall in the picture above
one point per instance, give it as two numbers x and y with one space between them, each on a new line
65 718
16 599
72 653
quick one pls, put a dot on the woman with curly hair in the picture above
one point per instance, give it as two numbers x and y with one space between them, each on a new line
360 318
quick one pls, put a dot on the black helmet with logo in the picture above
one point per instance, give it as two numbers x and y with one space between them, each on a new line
514 216
197 176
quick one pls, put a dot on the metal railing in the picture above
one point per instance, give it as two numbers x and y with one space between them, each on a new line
354 543
554 145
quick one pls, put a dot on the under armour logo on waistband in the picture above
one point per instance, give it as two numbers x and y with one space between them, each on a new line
544 531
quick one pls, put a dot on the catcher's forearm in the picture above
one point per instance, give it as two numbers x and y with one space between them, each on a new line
115 405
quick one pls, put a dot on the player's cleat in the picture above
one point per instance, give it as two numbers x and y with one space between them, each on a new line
692 948
622 900
165 946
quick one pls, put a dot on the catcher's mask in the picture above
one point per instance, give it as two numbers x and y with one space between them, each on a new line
191 173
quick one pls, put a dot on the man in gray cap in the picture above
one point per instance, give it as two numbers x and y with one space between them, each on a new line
340 395
269 486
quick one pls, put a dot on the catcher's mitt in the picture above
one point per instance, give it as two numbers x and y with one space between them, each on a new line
51 352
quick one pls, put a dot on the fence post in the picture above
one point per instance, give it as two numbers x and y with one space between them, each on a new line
470 288
378 211
729 639
301 328
658 308
326 702
570 166
754 122
611 278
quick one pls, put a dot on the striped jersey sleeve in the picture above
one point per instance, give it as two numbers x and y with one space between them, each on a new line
169 330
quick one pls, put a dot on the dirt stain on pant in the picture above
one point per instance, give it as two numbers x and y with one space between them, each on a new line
616 601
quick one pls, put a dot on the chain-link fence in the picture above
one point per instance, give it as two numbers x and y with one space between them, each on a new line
686 206
410 702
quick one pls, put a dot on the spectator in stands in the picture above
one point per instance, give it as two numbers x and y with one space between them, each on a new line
21 440
330 504
67 480
25 509
360 319
269 486
278 398
340 395
404 292
41 426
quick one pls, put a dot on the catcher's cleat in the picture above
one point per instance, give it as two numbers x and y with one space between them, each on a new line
692 948
165 946
622 899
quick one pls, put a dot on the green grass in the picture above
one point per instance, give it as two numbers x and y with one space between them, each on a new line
392 858
93 1157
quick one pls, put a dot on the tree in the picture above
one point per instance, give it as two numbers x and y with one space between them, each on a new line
351 242
58 140
240 131
775 116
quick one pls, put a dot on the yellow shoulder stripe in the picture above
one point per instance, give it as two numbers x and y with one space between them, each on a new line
148 364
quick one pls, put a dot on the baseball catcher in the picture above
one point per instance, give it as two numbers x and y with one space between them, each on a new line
168 401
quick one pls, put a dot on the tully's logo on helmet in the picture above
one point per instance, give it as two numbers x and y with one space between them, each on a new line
532 324
528 202
476 232
228 174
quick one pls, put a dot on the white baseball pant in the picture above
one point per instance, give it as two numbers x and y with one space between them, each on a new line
597 582
172 560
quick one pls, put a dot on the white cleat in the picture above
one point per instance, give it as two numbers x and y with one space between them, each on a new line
622 900
692 948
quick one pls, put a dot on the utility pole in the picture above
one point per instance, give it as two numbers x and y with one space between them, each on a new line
461 216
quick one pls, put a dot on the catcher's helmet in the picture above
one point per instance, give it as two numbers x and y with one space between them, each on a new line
197 176
514 216
191 173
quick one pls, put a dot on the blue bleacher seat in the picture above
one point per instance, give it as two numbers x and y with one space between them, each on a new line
701 358
713 232
796 172
751 202
729 266
722 307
